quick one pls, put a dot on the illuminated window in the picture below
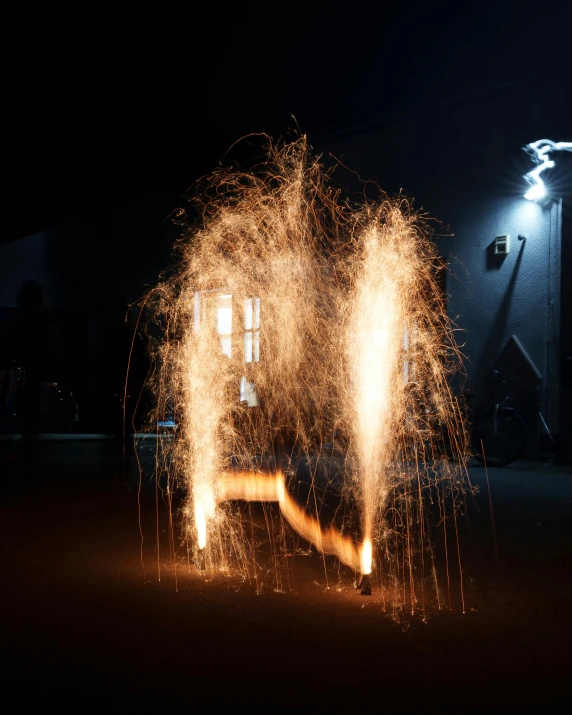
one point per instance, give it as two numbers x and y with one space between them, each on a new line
215 306
224 323
252 330
251 348
248 392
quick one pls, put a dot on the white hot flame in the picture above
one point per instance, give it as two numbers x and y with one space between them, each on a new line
366 557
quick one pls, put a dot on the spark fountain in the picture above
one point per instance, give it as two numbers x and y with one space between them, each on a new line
398 349
295 317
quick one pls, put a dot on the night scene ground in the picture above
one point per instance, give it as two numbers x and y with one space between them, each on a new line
83 627
406 125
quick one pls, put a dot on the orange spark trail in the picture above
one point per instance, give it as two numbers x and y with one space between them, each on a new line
253 486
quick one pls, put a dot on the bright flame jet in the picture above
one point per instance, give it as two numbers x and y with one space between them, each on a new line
253 486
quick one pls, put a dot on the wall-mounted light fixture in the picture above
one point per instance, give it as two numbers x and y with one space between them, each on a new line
539 152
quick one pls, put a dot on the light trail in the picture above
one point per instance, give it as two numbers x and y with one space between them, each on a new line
253 486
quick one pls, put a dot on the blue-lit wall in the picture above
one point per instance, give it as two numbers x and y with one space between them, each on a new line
463 165
519 294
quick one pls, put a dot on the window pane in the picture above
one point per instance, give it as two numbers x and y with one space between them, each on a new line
257 346
226 346
257 313
247 347
248 314
248 392
224 321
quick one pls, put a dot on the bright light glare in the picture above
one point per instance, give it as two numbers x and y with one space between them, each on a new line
539 152
365 557
536 192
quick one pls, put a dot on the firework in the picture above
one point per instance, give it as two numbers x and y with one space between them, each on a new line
398 349
296 317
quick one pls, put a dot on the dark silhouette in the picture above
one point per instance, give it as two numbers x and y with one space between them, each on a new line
36 346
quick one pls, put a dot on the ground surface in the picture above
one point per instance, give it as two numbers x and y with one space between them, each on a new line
83 628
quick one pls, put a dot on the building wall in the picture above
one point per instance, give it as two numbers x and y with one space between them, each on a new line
82 306
492 298
92 265
462 166
31 258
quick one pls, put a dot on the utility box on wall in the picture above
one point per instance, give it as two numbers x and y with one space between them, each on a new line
502 245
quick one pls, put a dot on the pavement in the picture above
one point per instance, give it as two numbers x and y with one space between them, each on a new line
95 617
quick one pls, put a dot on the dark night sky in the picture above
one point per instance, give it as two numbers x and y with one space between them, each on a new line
104 108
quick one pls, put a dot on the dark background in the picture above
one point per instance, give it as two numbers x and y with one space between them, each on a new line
103 108
110 118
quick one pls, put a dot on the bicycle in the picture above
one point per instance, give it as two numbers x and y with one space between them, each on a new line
499 425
